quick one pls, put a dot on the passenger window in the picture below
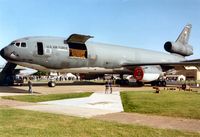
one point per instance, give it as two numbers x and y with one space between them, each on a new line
23 44
17 44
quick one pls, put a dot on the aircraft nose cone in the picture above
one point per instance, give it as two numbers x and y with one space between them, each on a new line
2 53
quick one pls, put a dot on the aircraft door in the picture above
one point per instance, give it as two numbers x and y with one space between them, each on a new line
77 50
77 46
40 48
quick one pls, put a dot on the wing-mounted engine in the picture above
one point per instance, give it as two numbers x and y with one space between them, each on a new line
147 73
181 45
178 48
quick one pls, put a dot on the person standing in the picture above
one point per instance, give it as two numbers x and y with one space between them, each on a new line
106 87
110 86
30 86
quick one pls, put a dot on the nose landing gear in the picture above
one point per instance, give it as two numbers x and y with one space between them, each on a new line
51 83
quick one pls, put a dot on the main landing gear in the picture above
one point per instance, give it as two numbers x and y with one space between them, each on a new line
122 81
51 83
160 83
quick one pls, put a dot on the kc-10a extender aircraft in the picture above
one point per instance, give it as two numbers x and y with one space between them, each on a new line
78 55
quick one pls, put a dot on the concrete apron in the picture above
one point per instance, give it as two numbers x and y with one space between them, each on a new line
96 104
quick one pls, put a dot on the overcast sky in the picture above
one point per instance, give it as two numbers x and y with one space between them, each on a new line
134 23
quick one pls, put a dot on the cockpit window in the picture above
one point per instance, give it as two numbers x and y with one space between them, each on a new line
23 44
12 43
17 44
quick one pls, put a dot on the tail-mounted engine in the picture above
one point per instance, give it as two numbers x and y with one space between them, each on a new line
178 48
181 46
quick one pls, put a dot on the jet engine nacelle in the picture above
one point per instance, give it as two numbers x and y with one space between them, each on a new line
179 48
147 73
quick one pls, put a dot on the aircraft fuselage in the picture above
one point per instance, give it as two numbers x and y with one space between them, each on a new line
53 54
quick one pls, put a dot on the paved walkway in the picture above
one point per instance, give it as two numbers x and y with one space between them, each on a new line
153 121
96 104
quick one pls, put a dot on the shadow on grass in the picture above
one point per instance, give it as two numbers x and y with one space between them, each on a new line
11 89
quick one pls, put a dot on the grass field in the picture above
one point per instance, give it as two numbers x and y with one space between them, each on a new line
167 103
40 98
21 123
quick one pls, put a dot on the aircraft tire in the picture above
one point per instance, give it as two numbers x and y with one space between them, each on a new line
140 84
118 82
159 83
153 83
122 82
51 83
164 83
126 82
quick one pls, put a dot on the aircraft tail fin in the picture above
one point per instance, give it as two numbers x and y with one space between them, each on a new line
181 46
185 34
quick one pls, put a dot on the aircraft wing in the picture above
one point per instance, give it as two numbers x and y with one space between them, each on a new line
167 65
